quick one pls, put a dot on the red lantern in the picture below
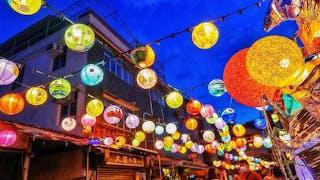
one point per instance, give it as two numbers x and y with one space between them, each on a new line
239 83
11 104
7 138
194 107
191 124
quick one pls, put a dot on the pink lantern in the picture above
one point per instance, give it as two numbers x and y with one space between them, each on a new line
9 72
88 120
132 121
112 114
7 138
200 149
214 144
220 123
174 148
206 111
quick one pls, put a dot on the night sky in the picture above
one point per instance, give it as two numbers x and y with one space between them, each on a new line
185 65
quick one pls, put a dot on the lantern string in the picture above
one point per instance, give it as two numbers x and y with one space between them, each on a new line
59 13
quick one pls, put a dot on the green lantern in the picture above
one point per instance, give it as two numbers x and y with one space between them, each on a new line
59 88
79 37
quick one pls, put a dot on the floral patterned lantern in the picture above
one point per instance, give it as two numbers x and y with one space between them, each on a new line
147 78
68 124
25 7
91 74
11 104
205 35
59 88
238 130
79 37
206 111
135 142
159 130
213 119
112 114
143 56
257 141
171 128
9 72
158 144
108 141
140 136
208 136
148 126
132 121
36 96
120 141
217 88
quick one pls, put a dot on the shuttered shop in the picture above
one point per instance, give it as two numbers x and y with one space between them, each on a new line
105 173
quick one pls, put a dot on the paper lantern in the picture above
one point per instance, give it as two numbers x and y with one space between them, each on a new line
238 130
88 120
94 141
260 123
217 88
205 35
174 99
209 149
91 74
216 163
267 142
220 123
79 37
194 147
25 7
240 142
229 115
9 72
167 148
194 107
213 119
191 124
214 144
108 141
226 139
158 144
257 141
220 153
68 124
147 78
189 144
140 136
95 107
200 149
36 96
208 136
7 138
207 111
112 114
272 59
183 150
11 104
176 135
135 142
132 121
120 141
171 128
174 148
185 138
159 130
143 56
148 126
168 141
59 88
240 85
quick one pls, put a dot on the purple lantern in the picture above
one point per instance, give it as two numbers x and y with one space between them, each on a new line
214 144
220 123
174 148
112 114
206 111
132 121
7 138
200 149
9 72
88 120
94 142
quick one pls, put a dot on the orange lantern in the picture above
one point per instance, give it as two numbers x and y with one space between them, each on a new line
194 107
210 149
11 104
239 142
191 124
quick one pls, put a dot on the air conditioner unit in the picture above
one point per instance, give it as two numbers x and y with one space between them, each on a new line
54 49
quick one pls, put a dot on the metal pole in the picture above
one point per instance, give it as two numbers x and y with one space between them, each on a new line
26 163
150 101
87 165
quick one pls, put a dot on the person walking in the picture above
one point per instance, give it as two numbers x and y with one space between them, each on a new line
246 173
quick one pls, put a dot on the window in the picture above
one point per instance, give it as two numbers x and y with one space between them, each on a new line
19 79
156 95
69 108
60 60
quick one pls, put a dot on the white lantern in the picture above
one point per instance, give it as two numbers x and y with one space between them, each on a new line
158 144
171 128
108 141
208 136
159 130
68 124
148 126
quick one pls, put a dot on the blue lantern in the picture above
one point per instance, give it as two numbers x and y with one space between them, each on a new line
220 153
236 158
260 123
94 142
216 88
229 115
267 142
257 160
226 139
91 74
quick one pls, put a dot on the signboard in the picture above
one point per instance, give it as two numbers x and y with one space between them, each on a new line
121 159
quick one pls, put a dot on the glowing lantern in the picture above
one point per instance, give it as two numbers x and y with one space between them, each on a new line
209 149
148 126
91 74
167 148
143 56
168 141
257 141
213 119
94 107
229 115
220 123
205 35
135 142
36 96
207 111
220 153
183 150
79 37
214 144
87 130
176 135
189 144
132 121
158 144
273 59
147 78
174 99
193 107
25 7
171 128
174 148
7 138
88 120
9 72
191 124
267 142
11 104
240 142
159 130
120 141
260 123
238 130
68 124
59 88
216 88
140 136
226 139
208 136
112 114
108 141
275 118
216 163
185 138
200 149
221 147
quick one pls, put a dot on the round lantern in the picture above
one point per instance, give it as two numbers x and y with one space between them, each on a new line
176 135
148 126
208 136
174 148
194 147
183 150
120 141
108 141
91 74
140 136
238 130
213 119
88 120
257 141
159 130
167 148
229 115
273 59
240 84
11 104
260 123
174 99
7 138
220 123
267 142
191 124
226 139
207 111
94 141
158 144
132 121
95 107
200 149
185 138
209 149
275 118
135 142
240 142
36 96
193 107
87 130
68 124
9 72
147 78
216 88
168 141
189 144
59 88
171 128
220 153
79 37
25 7
143 56
214 144
112 114
216 163
205 35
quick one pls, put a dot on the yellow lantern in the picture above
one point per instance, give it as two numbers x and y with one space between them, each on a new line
224 131
36 96
95 107
25 7
168 141
174 99
205 35
273 59
135 142
79 37
257 141
238 130
189 144
176 135
147 78
60 88
140 136
143 56
120 141
183 150
221 147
